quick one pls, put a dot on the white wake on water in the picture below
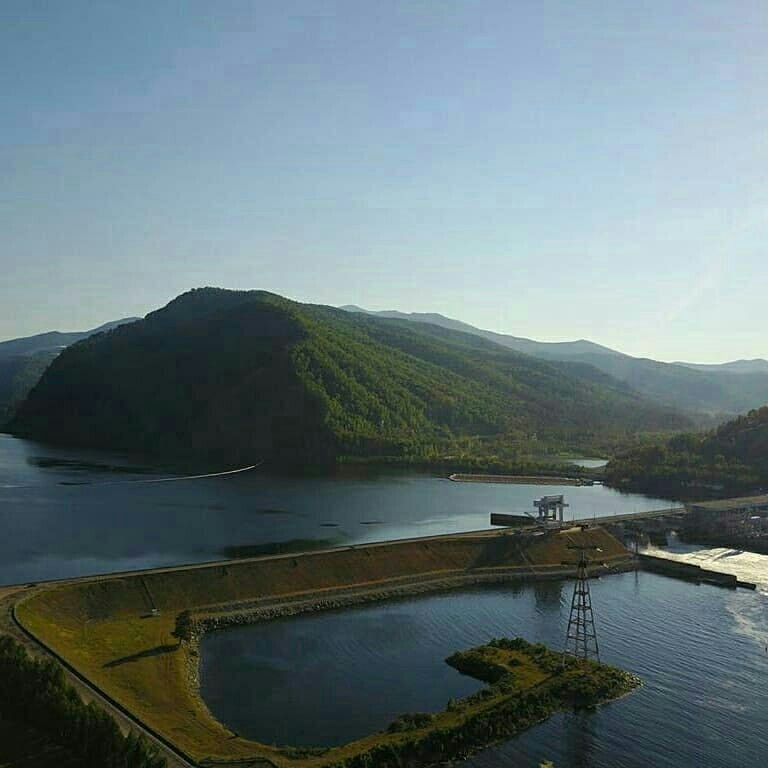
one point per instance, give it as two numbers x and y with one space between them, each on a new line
748 612
187 477
745 566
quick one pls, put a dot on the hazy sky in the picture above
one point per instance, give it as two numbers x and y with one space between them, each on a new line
549 169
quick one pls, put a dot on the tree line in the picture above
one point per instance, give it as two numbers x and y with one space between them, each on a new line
730 459
36 693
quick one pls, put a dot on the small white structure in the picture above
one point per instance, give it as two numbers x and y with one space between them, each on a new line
550 508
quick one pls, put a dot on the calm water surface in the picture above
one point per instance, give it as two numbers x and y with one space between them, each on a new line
701 650
68 513
327 678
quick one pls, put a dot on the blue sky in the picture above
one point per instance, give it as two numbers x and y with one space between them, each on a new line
554 170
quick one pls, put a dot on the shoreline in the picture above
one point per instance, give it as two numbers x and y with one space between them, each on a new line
225 616
95 626
265 609
216 618
462 477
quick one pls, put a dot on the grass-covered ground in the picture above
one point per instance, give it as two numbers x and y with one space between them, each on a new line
104 627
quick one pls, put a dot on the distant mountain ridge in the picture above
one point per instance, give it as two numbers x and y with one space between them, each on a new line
51 340
710 390
757 365
559 349
23 361
233 376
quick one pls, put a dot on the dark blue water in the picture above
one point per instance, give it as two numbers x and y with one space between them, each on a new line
328 678
69 513
701 650
339 674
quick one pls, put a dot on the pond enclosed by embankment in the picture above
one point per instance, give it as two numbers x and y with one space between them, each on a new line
703 682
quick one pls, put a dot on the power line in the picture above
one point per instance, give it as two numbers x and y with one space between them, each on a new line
581 636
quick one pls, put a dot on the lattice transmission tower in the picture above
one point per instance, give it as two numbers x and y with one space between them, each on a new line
581 637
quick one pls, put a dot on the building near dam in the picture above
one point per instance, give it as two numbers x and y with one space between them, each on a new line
741 517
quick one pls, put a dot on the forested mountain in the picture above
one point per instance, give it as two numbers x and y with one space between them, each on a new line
549 350
733 457
231 376
22 362
710 393
18 374
757 365
710 390
53 340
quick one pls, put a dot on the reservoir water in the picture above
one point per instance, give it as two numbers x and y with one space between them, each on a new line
701 650
327 678
69 513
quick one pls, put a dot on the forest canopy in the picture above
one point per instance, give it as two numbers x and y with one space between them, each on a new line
230 376
731 458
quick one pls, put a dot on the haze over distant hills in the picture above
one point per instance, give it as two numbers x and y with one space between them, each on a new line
22 361
758 365
53 340
710 390
236 376
549 350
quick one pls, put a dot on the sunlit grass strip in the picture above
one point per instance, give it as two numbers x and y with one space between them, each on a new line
105 628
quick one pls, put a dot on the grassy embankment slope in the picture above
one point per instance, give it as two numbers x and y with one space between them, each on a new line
227 377
733 458
101 628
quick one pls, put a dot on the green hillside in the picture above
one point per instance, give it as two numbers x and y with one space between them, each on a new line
228 377
18 375
707 390
713 392
732 458
23 361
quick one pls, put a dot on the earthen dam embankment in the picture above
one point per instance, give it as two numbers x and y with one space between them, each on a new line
115 631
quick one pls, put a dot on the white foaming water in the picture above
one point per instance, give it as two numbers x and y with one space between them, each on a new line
748 615
745 566
749 618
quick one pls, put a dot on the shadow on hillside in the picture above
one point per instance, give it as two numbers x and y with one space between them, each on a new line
141 655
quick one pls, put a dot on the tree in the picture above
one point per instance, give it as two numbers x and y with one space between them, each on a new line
184 627
36 694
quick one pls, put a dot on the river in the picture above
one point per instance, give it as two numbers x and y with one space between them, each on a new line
72 513
700 649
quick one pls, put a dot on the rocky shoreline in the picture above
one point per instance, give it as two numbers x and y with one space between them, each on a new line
215 617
